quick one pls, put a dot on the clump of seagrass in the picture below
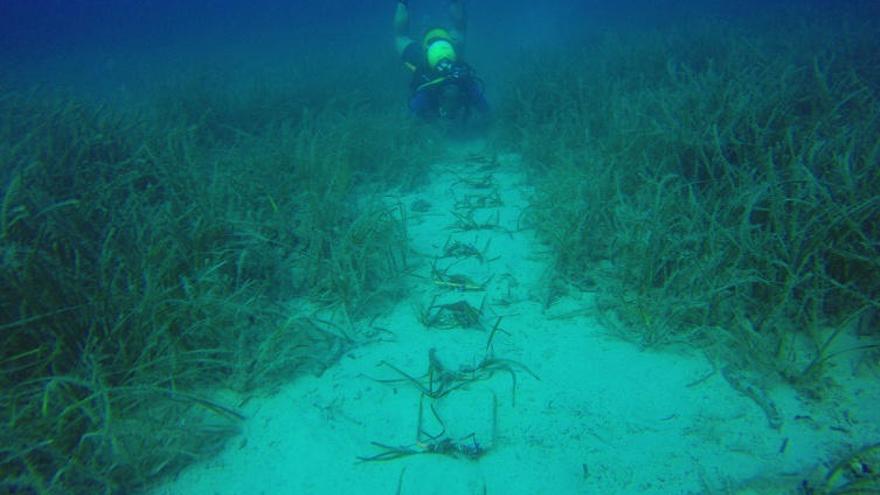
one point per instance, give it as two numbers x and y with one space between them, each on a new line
855 472
465 222
458 314
113 298
484 163
460 250
471 202
439 382
456 281
467 447
485 181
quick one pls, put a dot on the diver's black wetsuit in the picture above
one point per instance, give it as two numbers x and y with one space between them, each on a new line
450 89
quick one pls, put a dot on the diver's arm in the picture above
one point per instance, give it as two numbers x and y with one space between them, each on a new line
401 27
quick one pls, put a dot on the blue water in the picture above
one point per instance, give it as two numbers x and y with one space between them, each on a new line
104 47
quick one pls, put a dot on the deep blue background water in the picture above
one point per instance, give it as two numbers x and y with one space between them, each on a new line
105 45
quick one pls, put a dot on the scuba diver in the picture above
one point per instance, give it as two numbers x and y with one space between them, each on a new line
443 86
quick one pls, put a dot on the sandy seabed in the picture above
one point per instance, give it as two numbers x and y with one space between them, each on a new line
586 412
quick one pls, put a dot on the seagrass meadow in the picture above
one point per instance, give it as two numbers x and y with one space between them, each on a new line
213 222
718 186
150 256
